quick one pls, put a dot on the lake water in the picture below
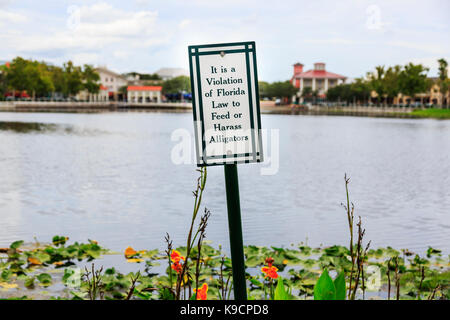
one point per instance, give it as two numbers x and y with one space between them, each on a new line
110 177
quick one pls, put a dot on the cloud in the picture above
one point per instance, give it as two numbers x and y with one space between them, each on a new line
421 46
7 17
86 58
86 29
104 20
143 2
336 40
351 36
5 3
184 23
430 62
121 54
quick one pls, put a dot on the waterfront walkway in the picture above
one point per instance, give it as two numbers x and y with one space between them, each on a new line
54 106
267 107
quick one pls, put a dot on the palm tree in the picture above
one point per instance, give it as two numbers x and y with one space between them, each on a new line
376 81
390 81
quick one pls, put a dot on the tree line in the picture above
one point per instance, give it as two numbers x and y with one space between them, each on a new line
40 79
408 80
279 89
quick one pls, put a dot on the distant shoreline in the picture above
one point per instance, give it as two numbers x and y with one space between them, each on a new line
267 107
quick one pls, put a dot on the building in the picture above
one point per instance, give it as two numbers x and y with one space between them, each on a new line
432 97
144 94
112 82
101 96
170 73
110 87
317 79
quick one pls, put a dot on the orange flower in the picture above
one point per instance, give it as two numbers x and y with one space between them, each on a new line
202 292
177 267
34 261
270 272
129 252
176 256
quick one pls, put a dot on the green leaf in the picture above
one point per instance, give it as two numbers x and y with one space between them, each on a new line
45 279
256 283
253 261
29 282
166 294
431 251
6 274
324 288
59 240
339 284
16 244
280 291
142 295
78 295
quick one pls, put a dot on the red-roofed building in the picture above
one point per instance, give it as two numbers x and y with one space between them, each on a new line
317 79
144 93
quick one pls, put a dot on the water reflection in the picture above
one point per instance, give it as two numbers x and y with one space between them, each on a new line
26 127
48 128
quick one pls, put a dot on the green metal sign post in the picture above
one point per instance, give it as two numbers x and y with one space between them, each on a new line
227 126
235 230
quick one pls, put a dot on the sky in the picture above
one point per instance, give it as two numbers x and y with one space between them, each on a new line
350 36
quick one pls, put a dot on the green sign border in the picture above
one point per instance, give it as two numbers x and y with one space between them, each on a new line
250 47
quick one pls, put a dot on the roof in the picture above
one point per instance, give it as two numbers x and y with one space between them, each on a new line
144 88
105 70
318 74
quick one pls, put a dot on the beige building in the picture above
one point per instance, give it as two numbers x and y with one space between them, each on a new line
112 82
433 96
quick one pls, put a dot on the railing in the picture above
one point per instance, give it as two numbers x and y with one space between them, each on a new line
99 104
13 103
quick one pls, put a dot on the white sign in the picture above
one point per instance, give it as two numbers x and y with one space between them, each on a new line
227 120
